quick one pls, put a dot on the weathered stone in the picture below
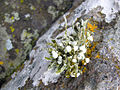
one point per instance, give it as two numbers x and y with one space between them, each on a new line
102 72
17 16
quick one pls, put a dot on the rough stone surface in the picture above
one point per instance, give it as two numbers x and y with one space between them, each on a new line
102 73
21 23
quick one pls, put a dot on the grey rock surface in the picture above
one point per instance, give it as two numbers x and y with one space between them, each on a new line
102 73
21 23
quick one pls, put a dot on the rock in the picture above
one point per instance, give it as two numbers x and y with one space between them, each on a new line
102 73
28 17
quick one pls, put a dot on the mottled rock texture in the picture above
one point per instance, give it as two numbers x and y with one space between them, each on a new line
21 23
102 73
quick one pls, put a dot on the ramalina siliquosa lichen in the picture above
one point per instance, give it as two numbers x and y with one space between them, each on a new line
71 54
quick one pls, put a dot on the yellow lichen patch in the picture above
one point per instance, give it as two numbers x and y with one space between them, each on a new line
21 1
83 62
67 76
117 67
111 38
12 29
91 27
81 67
89 51
93 48
90 45
84 69
5 49
17 51
86 41
13 35
98 55
94 45
112 47
12 18
1 62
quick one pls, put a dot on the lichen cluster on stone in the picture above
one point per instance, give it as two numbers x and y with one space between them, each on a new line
71 54
28 38
11 18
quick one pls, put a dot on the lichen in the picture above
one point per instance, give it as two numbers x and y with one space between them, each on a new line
21 1
11 18
3 40
32 7
27 15
52 10
28 39
1 62
17 51
9 45
73 53
12 29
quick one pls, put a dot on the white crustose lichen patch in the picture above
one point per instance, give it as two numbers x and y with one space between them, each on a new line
9 45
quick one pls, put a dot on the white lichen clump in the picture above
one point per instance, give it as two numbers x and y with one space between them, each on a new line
27 15
11 18
70 55
54 54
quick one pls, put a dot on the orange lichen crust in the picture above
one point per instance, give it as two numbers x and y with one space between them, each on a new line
1 62
91 27
98 55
